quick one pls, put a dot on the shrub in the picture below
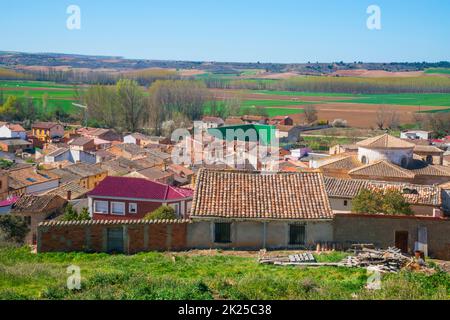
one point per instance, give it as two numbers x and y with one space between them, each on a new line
70 214
13 229
162 213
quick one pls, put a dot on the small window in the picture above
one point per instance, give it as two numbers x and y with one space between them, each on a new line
429 159
28 220
222 232
132 208
296 234
101 207
118 208
345 203
364 160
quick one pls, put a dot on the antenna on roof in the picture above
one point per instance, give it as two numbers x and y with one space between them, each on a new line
85 112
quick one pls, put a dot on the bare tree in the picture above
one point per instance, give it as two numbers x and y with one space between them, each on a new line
381 117
310 113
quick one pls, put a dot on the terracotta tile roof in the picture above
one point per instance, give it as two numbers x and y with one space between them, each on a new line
430 149
44 125
413 193
76 190
122 187
385 141
255 195
382 169
340 162
150 174
433 170
33 203
84 170
29 176
15 128
80 141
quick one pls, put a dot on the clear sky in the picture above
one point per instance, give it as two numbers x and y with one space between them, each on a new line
232 30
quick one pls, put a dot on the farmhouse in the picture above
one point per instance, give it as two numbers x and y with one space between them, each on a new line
98 133
119 198
250 210
416 135
82 144
73 155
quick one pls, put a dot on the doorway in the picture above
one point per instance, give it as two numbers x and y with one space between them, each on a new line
401 240
115 240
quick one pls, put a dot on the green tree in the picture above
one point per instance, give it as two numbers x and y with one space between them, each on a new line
377 201
70 214
9 108
13 229
395 203
162 213
368 201
130 99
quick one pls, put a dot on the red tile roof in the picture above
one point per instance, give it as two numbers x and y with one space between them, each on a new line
122 187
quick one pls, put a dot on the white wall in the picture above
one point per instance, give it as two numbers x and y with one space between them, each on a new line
129 139
392 155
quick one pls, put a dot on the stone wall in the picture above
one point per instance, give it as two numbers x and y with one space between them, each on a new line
380 230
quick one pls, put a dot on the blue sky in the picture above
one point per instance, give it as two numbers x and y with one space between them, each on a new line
232 30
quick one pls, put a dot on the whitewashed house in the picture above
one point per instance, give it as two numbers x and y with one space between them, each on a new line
13 131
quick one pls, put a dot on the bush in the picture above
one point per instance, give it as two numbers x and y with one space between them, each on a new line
162 213
70 214
13 229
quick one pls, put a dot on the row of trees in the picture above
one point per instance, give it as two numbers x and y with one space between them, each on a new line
128 107
351 85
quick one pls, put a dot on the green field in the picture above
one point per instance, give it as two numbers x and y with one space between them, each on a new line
438 71
58 95
155 276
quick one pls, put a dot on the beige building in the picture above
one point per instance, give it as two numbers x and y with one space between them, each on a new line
250 210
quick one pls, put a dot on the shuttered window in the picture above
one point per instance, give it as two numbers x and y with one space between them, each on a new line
296 234
222 232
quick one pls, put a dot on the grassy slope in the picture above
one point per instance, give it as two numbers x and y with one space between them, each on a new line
164 276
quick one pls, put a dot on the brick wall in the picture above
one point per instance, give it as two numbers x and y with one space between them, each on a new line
380 230
92 236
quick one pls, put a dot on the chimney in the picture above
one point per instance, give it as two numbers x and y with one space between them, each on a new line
69 195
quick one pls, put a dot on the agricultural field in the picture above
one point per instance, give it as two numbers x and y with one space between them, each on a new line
444 71
199 275
360 110
61 96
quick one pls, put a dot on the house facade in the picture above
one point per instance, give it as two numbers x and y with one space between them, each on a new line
125 198
250 210
46 131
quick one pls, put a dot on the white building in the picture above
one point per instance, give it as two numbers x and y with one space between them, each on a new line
388 148
416 135
13 131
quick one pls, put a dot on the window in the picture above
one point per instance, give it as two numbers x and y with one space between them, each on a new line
132 208
28 220
345 203
364 160
222 232
296 234
118 208
430 159
101 207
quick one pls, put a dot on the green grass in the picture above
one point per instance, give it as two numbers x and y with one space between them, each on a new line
24 275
